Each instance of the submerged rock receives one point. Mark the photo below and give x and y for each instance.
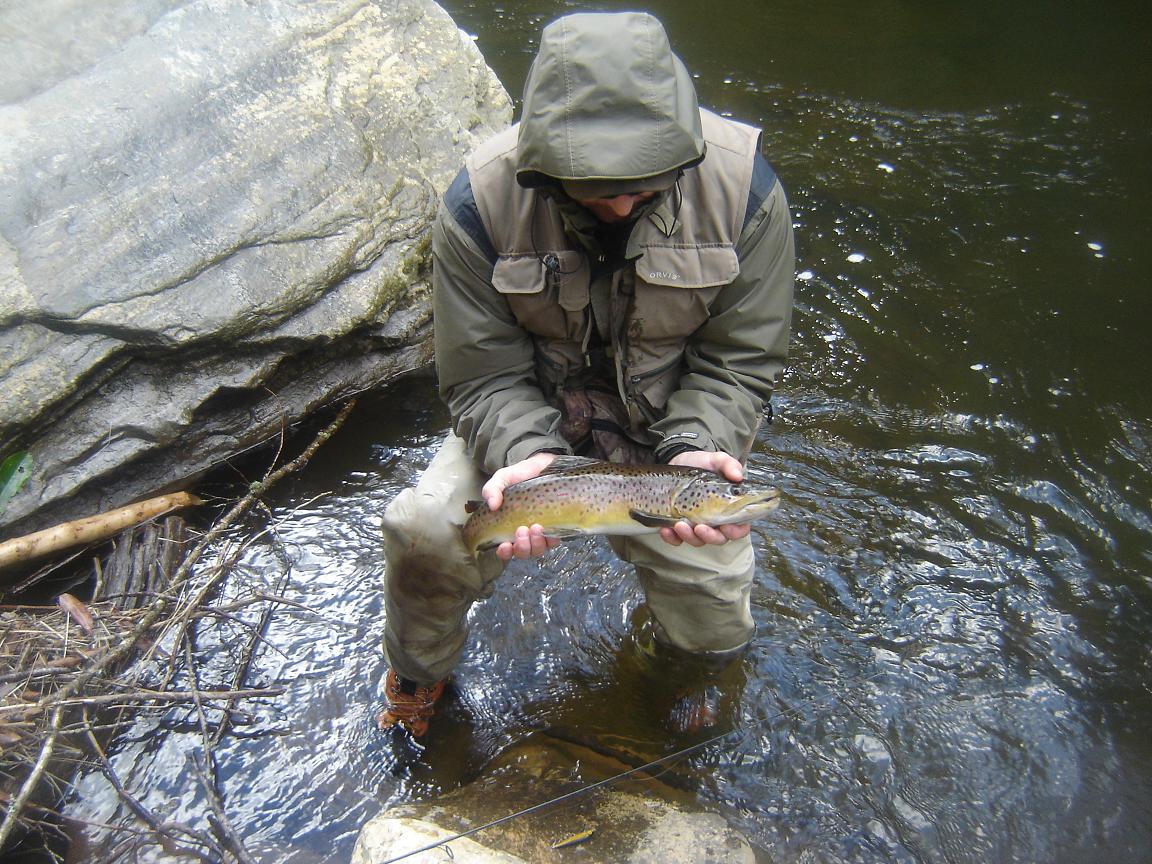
(659, 825)
(213, 220)
(386, 837)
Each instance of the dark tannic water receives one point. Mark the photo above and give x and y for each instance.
(955, 599)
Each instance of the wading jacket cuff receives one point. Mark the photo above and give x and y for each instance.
(667, 454)
(531, 446)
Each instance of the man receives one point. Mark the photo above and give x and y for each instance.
(613, 278)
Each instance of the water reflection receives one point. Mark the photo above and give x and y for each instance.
(953, 604)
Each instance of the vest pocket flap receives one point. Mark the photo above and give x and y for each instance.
(520, 275)
(530, 274)
(699, 267)
(572, 276)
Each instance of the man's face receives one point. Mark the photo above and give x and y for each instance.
(617, 208)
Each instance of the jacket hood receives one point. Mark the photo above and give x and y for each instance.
(606, 99)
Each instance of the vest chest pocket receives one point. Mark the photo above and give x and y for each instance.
(547, 293)
(674, 287)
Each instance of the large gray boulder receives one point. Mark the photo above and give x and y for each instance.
(213, 220)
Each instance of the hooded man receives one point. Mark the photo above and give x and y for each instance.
(612, 278)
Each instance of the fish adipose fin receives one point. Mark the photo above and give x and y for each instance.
(473, 506)
(652, 520)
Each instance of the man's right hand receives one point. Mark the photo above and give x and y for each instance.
(729, 468)
(530, 541)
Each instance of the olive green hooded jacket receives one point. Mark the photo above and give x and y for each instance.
(693, 312)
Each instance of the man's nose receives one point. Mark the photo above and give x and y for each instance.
(622, 205)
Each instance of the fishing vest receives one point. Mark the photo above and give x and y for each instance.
(680, 256)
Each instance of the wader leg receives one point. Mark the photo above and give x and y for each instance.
(699, 597)
(431, 579)
(689, 693)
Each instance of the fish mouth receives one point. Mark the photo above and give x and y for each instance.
(765, 501)
(750, 506)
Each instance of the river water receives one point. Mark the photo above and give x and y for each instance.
(954, 601)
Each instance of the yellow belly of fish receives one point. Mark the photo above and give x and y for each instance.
(565, 520)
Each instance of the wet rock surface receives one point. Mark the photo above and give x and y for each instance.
(213, 221)
(644, 820)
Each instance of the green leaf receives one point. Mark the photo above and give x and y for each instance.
(14, 471)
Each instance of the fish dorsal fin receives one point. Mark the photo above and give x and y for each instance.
(568, 463)
(473, 506)
(652, 520)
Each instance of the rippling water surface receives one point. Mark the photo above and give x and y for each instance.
(954, 601)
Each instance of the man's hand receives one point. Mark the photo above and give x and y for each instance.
(530, 541)
(726, 466)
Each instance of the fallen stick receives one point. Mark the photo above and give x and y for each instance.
(138, 696)
(26, 790)
(174, 696)
(164, 831)
(90, 529)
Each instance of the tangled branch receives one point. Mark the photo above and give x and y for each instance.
(46, 701)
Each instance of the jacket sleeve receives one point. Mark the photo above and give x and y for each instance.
(484, 359)
(732, 362)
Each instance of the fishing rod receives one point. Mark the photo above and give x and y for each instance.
(543, 805)
(616, 778)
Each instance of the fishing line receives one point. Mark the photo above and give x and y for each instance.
(616, 778)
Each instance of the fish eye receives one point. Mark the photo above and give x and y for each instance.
(735, 489)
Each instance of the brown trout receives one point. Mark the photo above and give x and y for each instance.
(577, 496)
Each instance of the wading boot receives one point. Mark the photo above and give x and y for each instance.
(410, 705)
(693, 693)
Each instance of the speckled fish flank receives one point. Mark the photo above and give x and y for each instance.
(577, 496)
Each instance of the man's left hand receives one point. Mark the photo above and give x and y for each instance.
(530, 540)
(726, 466)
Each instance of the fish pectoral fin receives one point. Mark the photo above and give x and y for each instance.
(652, 520)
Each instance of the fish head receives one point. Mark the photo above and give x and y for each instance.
(709, 499)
